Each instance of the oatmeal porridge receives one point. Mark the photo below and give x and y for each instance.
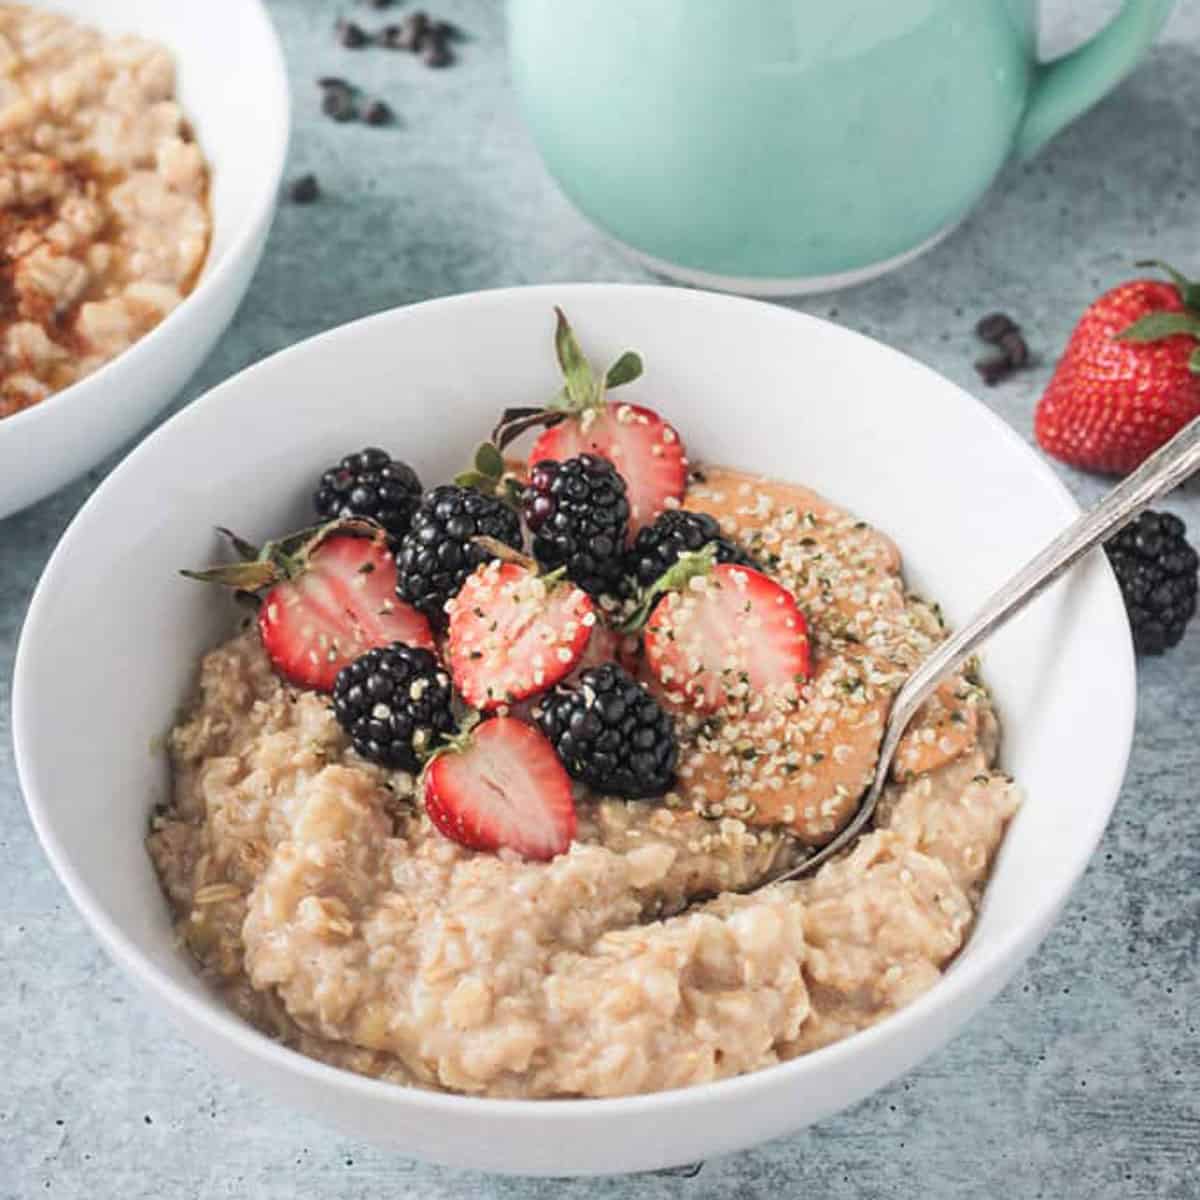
(104, 221)
(321, 901)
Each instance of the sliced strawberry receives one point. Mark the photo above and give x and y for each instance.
(342, 604)
(513, 634)
(503, 788)
(637, 441)
(330, 596)
(583, 420)
(728, 635)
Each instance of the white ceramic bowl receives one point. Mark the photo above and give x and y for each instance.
(102, 667)
(232, 85)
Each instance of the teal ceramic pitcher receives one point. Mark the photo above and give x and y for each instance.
(783, 146)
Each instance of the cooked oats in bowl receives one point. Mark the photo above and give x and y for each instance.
(104, 215)
(374, 935)
(460, 818)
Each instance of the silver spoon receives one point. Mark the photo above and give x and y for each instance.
(1161, 472)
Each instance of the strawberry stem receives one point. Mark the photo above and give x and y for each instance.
(1189, 290)
(515, 421)
(489, 474)
(504, 552)
(282, 558)
(582, 389)
(691, 564)
(454, 743)
(246, 550)
(1155, 326)
(581, 386)
(626, 369)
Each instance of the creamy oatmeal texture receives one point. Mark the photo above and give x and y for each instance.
(104, 219)
(320, 901)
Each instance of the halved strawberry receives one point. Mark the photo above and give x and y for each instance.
(514, 633)
(330, 596)
(728, 634)
(502, 786)
(636, 440)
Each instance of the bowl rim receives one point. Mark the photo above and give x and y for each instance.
(274, 77)
(222, 1025)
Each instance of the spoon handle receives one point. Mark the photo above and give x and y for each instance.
(1161, 472)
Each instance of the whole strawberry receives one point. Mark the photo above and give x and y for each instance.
(1129, 379)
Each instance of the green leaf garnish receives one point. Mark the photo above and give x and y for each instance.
(1194, 361)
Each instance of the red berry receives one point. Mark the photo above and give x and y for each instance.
(505, 788)
(512, 635)
(1112, 402)
(340, 605)
(727, 637)
(637, 441)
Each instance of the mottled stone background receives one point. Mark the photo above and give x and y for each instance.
(1080, 1080)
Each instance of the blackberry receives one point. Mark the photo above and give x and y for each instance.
(370, 484)
(578, 513)
(611, 733)
(1156, 568)
(437, 554)
(658, 545)
(394, 702)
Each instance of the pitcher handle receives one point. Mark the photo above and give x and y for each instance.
(1068, 86)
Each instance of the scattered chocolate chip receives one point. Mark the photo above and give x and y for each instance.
(1015, 349)
(304, 189)
(993, 370)
(351, 35)
(445, 31)
(378, 3)
(333, 81)
(389, 37)
(377, 113)
(994, 326)
(412, 31)
(436, 53)
(338, 103)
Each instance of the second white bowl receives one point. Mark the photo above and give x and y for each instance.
(232, 86)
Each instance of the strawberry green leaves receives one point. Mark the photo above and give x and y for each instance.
(1156, 326)
(489, 474)
(626, 369)
(581, 389)
(1189, 290)
(691, 564)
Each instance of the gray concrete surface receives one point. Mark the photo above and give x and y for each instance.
(1081, 1080)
